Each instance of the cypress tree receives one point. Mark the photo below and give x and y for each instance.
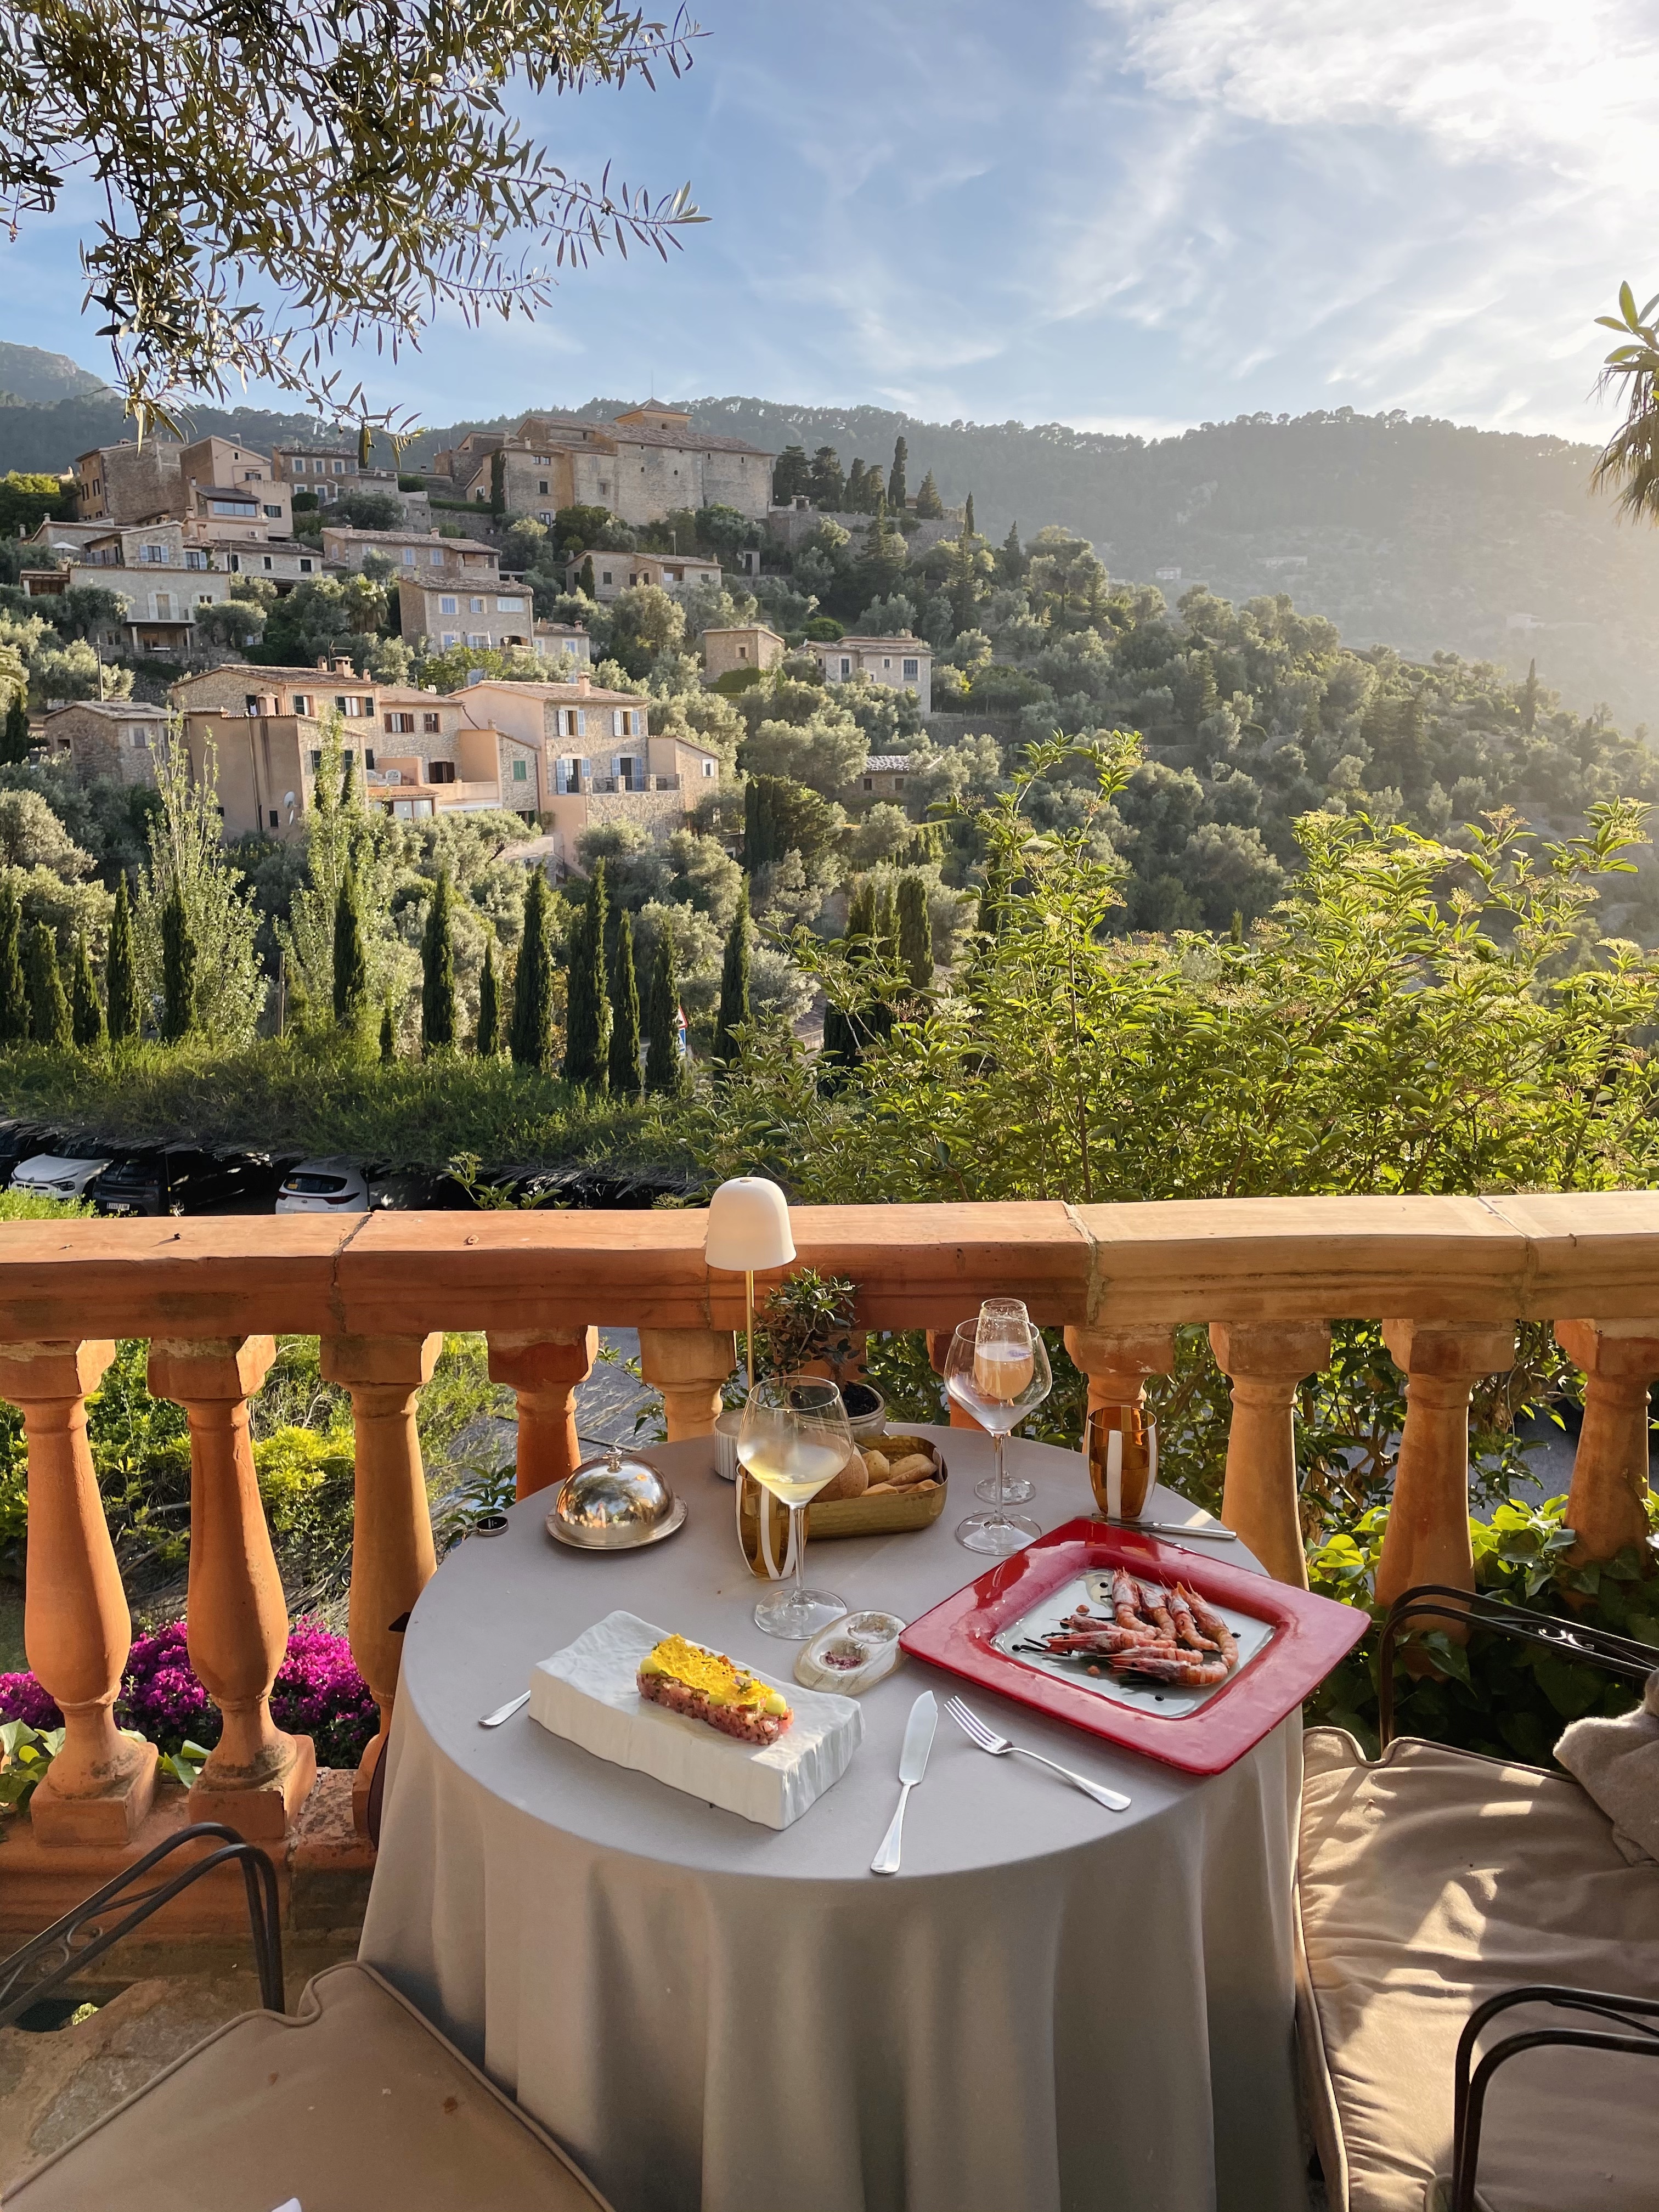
(13, 992)
(897, 495)
(968, 529)
(178, 970)
(665, 1071)
(49, 1013)
(15, 740)
(734, 983)
(1013, 558)
(388, 1033)
(351, 961)
(488, 1042)
(929, 506)
(625, 1014)
(438, 971)
(586, 580)
(1528, 702)
(854, 493)
(915, 931)
(531, 1040)
(498, 482)
(587, 1005)
(85, 1011)
(124, 1019)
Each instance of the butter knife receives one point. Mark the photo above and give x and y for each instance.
(913, 1765)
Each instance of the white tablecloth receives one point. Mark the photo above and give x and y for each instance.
(1052, 2008)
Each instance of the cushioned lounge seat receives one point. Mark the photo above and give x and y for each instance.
(354, 2105)
(1430, 1880)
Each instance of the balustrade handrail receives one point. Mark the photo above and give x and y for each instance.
(1536, 1256)
(1448, 1278)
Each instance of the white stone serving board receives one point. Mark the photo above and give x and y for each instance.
(588, 1695)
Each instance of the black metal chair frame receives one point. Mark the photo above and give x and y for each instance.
(1632, 1662)
(70, 1944)
(1569, 1639)
(1629, 2013)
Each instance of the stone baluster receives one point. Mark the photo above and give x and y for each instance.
(1117, 1361)
(76, 1628)
(1265, 1361)
(543, 1369)
(392, 1558)
(1428, 1532)
(1606, 1505)
(690, 1367)
(256, 1779)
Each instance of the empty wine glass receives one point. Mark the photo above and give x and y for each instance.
(998, 1369)
(794, 1439)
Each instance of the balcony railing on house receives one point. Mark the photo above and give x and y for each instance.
(1449, 1278)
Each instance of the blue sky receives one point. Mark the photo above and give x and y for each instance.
(1111, 213)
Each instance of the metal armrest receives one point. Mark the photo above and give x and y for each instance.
(1568, 1639)
(1630, 2014)
(83, 1934)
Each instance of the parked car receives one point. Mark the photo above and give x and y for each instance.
(325, 1186)
(22, 1141)
(49, 1175)
(183, 1179)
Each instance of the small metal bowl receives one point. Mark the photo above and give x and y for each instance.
(614, 1504)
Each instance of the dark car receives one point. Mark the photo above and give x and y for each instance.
(183, 1179)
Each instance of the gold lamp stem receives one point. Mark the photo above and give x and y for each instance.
(749, 1330)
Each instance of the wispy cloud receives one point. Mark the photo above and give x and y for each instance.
(1108, 212)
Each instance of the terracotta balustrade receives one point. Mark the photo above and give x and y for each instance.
(1450, 1277)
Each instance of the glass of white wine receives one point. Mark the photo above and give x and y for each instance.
(997, 1369)
(794, 1439)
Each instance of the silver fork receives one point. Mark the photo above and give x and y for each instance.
(987, 1739)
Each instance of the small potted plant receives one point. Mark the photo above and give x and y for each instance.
(808, 1322)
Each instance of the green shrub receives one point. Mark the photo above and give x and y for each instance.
(1503, 1698)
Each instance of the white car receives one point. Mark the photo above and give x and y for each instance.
(329, 1186)
(46, 1175)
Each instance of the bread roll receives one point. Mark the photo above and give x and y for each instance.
(912, 1469)
(849, 1483)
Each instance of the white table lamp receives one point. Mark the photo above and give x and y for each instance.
(748, 1229)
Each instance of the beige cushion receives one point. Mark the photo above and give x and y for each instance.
(356, 2104)
(1429, 1881)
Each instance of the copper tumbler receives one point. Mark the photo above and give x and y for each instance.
(1121, 1445)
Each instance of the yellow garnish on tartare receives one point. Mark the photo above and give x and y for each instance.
(707, 1685)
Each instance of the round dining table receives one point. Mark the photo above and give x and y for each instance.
(1053, 2007)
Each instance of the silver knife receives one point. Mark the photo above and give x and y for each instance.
(504, 1712)
(913, 1765)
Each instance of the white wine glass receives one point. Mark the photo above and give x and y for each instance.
(998, 1369)
(794, 1439)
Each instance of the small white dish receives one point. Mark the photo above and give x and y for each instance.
(851, 1654)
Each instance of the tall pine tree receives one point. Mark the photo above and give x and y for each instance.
(929, 506)
(897, 493)
(624, 1014)
(15, 738)
(125, 1018)
(664, 1069)
(178, 970)
(734, 984)
(488, 1042)
(915, 931)
(438, 971)
(49, 1013)
(350, 960)
(86, 1009)
(14, 989)
(1013, 557)
(531, 1040)
(587, 1003)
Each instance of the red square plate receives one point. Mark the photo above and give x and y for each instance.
(1297, 1638)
